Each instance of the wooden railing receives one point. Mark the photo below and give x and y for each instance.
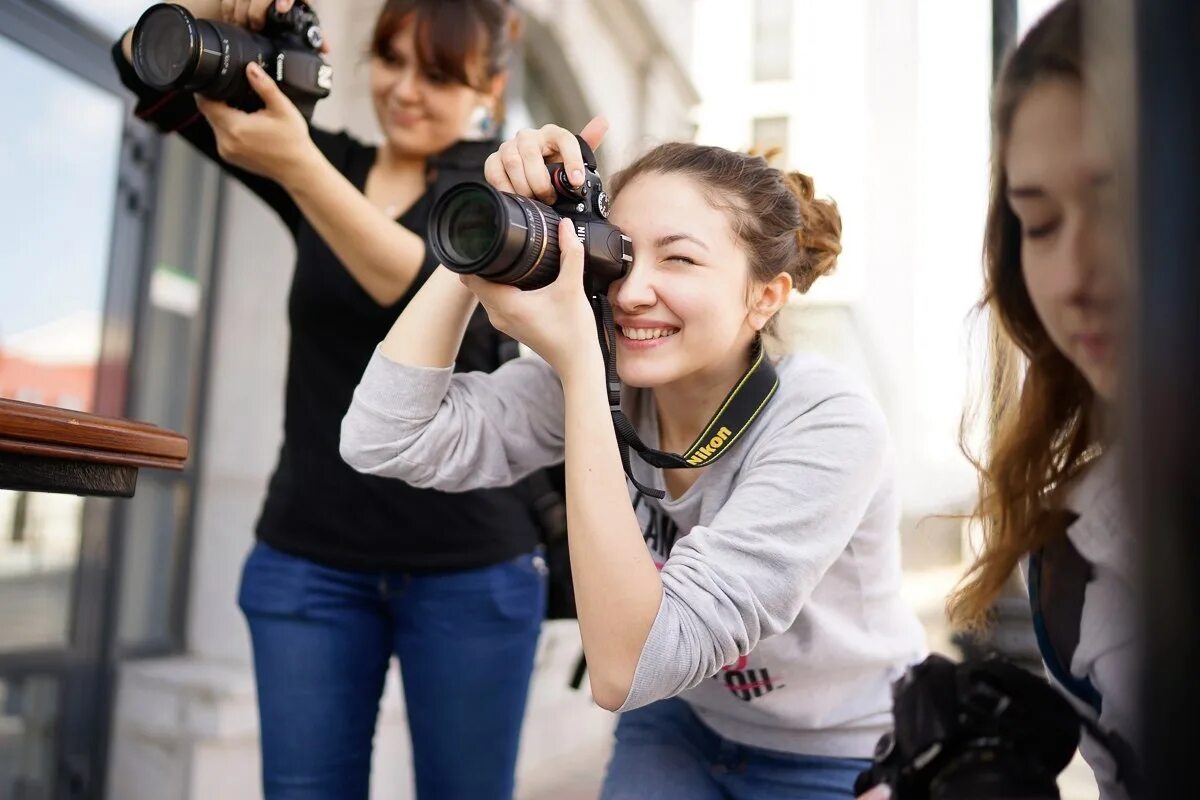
(46, 449)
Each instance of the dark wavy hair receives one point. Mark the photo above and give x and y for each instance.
(467, 41)
(1042, 406)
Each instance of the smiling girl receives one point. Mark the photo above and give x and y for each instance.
(748, 624)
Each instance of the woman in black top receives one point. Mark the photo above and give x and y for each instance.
(349, 569)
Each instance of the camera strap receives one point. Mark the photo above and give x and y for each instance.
(748, 397)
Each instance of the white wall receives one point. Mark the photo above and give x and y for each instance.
(888, 112)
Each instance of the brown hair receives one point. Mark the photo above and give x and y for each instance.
(1042, 407)
(468, 41)
(775, 214)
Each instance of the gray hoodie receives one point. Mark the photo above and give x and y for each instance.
(781, 622)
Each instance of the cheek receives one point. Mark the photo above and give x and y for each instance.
(1033, 273)
(450, 106)
(379, 79)
(709, 309)
(1038, 277)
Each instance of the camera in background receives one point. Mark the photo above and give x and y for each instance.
(174, 50)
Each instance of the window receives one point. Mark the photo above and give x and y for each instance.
(169, 360)
(56, 217)
(770, 138)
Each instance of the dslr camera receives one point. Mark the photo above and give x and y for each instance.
(476, 230)
(174, 50)
(985, 730)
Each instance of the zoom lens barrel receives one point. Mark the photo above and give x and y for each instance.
(174, 50)
(476, 230)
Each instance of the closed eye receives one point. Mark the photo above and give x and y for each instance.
(1040, 231)
(683, 259)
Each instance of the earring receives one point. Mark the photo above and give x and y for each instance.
(481, 125)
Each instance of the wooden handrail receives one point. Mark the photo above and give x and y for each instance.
(35, 429)
(43, 448)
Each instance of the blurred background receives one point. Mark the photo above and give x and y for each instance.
(135, 282)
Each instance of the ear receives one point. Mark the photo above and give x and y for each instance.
(768, 298)
(497, 86)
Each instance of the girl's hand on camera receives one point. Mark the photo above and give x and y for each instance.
(252, 14)
(273, 142)
(555, 321)
(519, 166)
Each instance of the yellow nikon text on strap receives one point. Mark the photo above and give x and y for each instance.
(704, 452)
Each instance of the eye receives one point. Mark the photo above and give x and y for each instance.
(1040, 231)
(437, 77)
(681, 259)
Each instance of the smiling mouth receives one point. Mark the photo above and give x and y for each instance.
(646, 334)
(406, 117)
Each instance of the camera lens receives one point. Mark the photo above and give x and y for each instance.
(174, 50)
(166, 46)
(472, 225)
(476, 230)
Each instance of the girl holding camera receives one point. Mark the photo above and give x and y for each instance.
(748, 624)
(1055, 285)
(350, 569)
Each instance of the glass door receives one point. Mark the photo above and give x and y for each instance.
(72, 223)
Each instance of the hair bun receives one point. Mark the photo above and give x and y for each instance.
(820, 231)
(801, 185)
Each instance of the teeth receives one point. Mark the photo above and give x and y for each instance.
(641, 334)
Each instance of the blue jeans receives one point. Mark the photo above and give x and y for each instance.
(322, 641)
(664, 752)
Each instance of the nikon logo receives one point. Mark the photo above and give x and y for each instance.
(705, 452)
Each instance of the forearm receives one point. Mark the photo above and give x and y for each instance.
(430, 331)
(383, 257)
(617, 587)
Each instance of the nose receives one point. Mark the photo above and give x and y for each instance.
(635, 291)
(406, 85)
(1086, 254)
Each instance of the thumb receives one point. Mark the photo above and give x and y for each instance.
(593, 132)
(266, 88)
(571, 260)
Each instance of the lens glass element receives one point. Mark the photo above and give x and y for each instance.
(472, 224)
(166, 46)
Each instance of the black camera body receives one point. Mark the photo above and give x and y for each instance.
(174, 50)
(476, 230)
(984, 730)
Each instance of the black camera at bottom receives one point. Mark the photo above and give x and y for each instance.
(983, 730)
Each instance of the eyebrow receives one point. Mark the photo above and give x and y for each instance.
(671, 238)
(1037, 192)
